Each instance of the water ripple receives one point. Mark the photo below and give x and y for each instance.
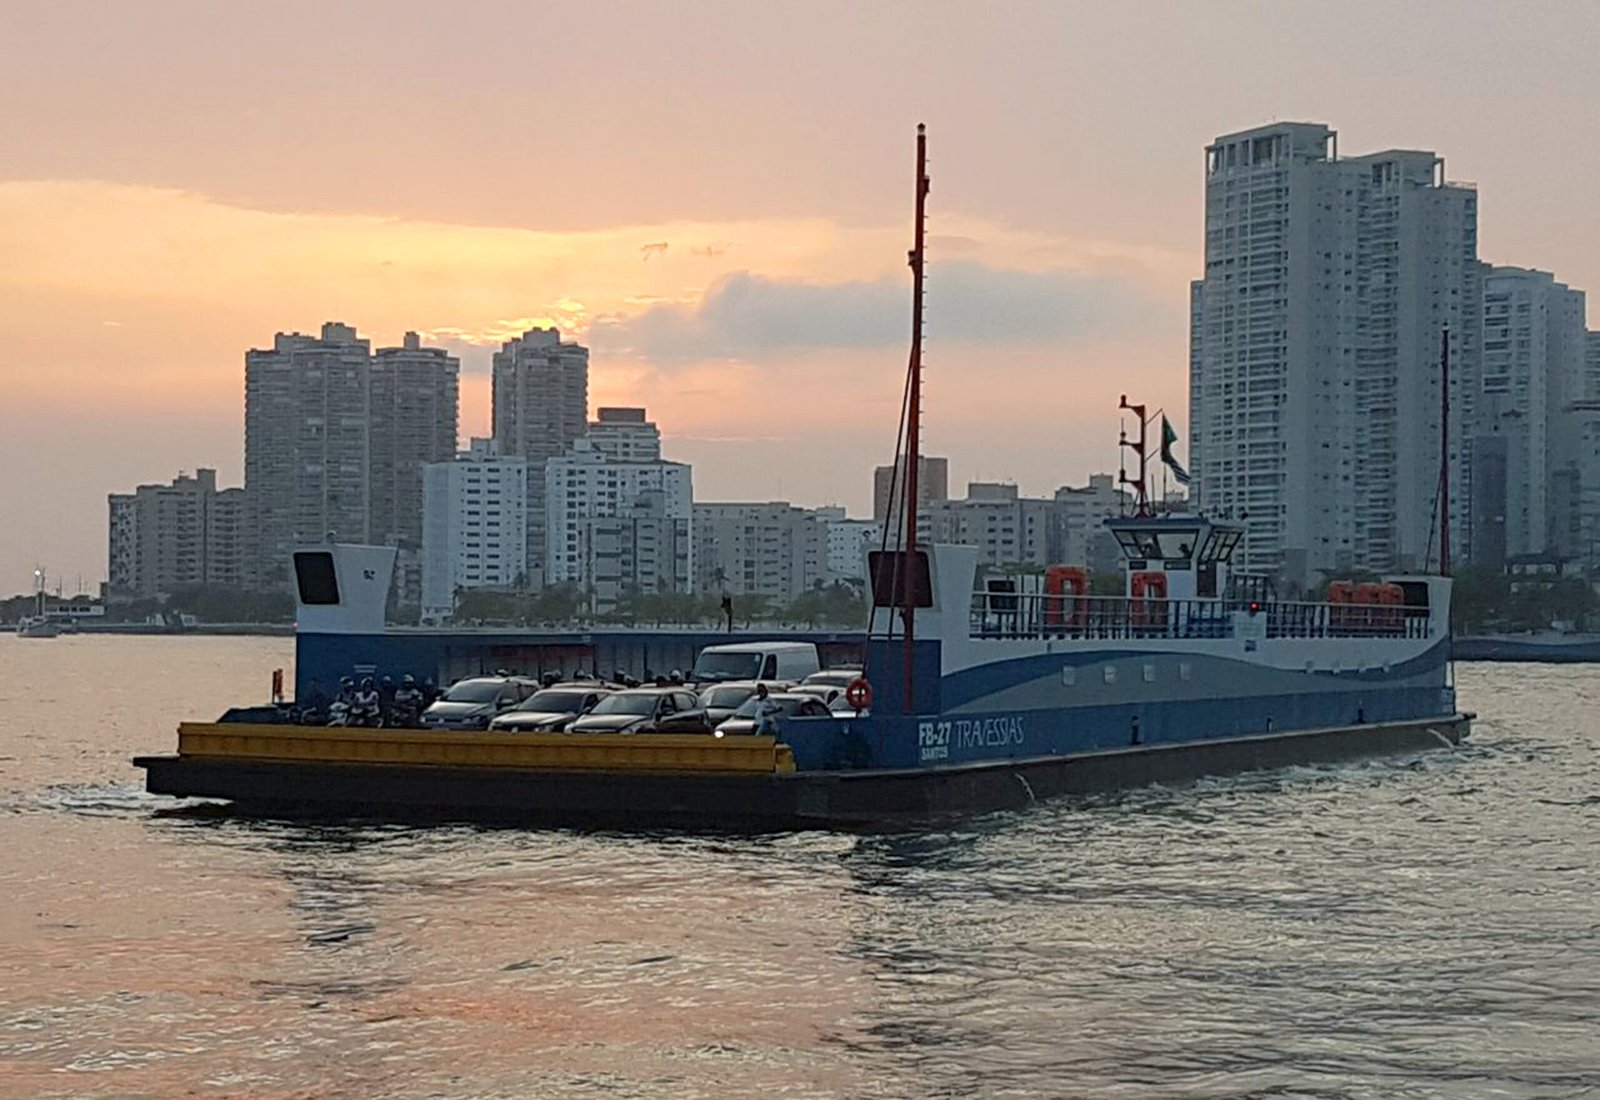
(1419, 927)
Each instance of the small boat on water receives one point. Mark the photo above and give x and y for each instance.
(975, 692)
(39, 624)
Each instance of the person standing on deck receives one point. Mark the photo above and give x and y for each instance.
(767, 712)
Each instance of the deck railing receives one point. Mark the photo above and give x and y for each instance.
(1006, 615)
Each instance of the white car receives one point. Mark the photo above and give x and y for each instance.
(719, 701)
(790, 705)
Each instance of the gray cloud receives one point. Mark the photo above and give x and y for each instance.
(745, 314)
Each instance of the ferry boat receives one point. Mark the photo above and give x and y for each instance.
(39, 624)
(976, 692)
(1006, 695)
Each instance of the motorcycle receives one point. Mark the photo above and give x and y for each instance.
(406, 710)
(367, 711)
(356, 713)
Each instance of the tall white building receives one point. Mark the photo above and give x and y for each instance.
(306, 458)
(849, 540)
(1531, 414)
(413, 404)
(122, 544)
(625, 435)
(1574, 499)
(616, 523)
(1084, 511)
(888, 482)
(1007, 528)
(335, 442)
(1315, 382)
(183, 534)
(1418, 275)
(474, 526)
(770, 549)
(540, 408)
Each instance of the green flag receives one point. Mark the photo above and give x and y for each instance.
(1168, 438)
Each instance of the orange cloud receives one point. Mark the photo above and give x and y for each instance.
(122, 306)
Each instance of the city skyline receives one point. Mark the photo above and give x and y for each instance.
(147, 256)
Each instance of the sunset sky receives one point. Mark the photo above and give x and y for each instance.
(714, 196)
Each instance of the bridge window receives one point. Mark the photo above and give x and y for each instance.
(315, 578)
(900, 578)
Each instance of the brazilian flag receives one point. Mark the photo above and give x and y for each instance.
(1168, 438)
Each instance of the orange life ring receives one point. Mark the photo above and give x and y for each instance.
(858, 694)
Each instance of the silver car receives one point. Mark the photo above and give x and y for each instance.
(719, 701)
(790, 705)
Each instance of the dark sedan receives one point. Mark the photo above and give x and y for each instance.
(470, 704)
(551, 709)
(636, 710)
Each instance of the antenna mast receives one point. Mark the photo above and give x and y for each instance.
(1141, 484)
(914, 416)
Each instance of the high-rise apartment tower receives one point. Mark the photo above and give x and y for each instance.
(540, 407)
(305, 445)
(414, 405)
(1315, 400)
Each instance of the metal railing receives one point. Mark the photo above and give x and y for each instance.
(1006, 615)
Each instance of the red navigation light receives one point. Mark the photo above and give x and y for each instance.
(1255, 605)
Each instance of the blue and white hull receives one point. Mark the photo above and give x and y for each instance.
(1175, 673)
(1011, 700)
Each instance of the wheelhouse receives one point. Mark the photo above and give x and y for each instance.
(1176, 556)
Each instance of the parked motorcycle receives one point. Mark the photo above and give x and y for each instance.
(358, 713)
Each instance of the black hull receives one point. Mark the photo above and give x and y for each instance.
(1529, 650)
(743, 802)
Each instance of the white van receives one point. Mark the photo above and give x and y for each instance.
(792, 661)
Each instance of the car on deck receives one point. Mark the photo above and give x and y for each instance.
(719, 701)
(638, 710)
(552, 708)
(471, 704)
(840, 678)
(790, 705)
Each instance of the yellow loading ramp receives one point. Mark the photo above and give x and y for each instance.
(619, 752)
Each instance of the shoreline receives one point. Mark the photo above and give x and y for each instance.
(274, 630)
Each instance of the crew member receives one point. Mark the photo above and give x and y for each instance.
(311, 708)
(767, 711)
(408, 702)
(369, 704)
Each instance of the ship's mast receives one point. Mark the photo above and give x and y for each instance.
(914, 416)
(1444, 452)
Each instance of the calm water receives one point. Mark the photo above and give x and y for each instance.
(1427, 927)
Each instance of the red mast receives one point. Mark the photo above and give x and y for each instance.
(914, 414)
